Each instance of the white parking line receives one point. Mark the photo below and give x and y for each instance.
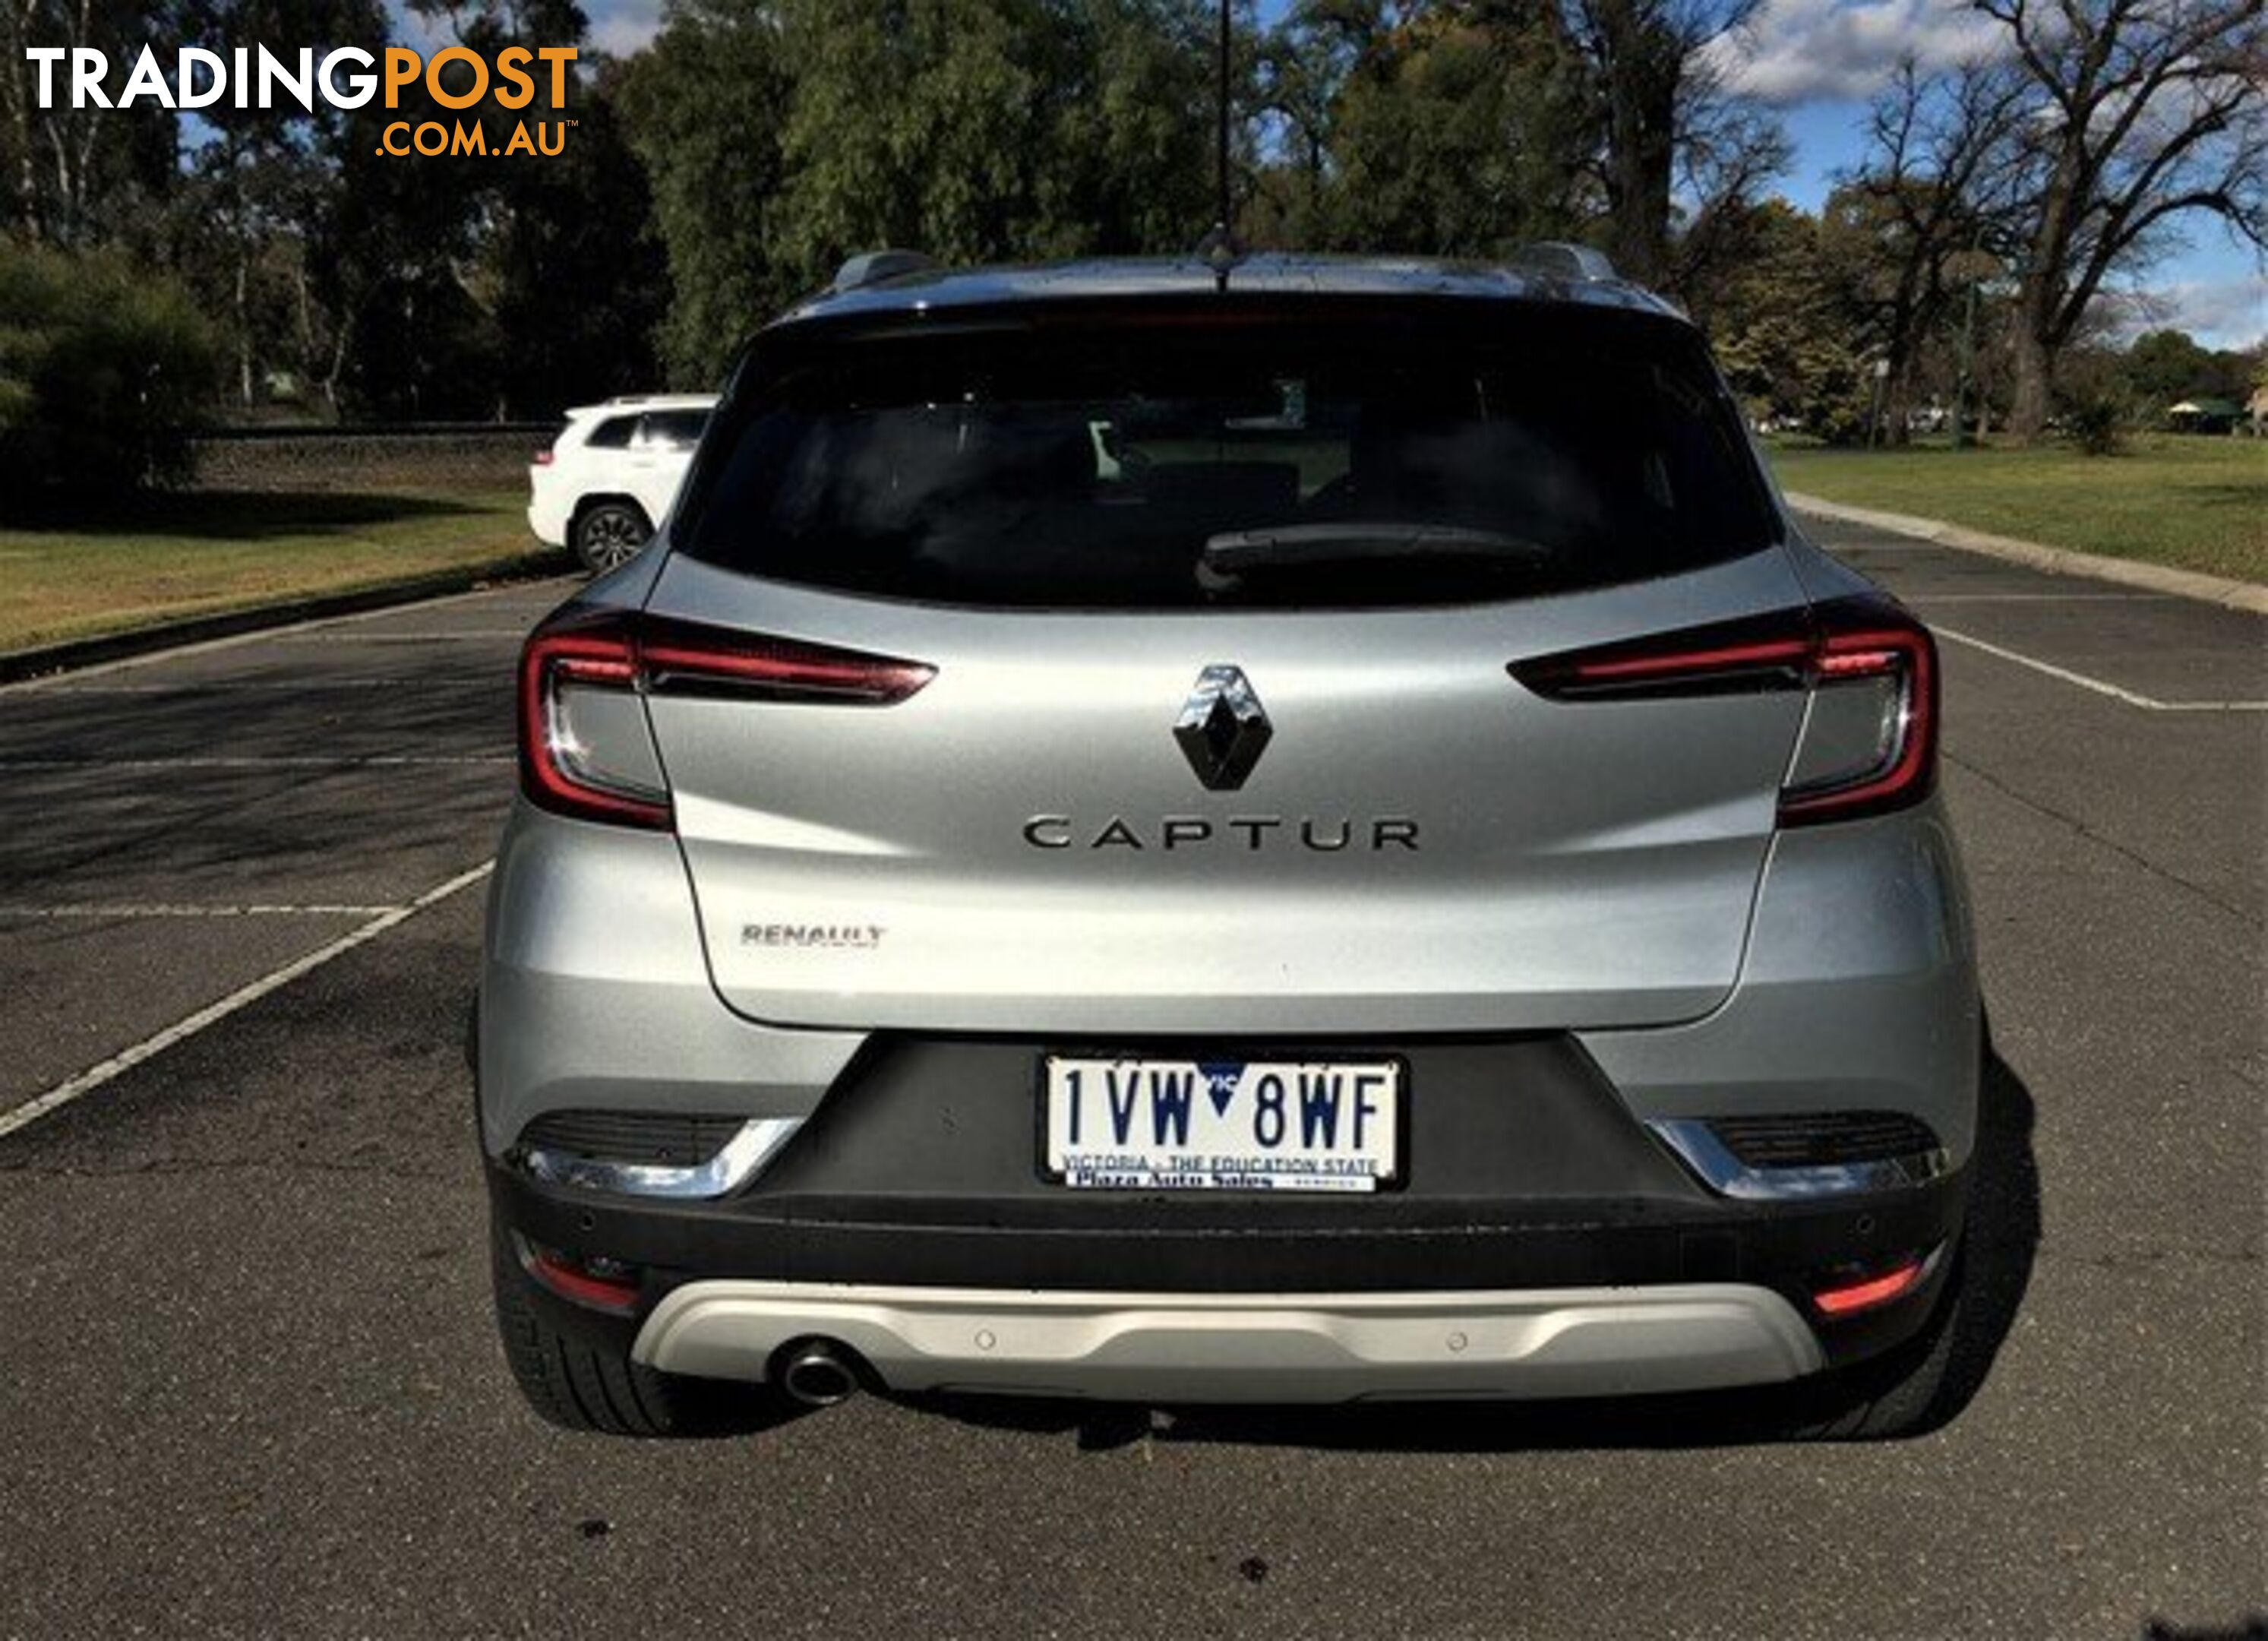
(2117, 692)
(372, 760)
(97, 910)
(94, 1077)
(2038, 598)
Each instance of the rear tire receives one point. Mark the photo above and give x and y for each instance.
(1901, 1393)
(608, 534)
(580, 1386)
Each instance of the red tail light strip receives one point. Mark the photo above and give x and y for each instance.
(622, 650)
(681, 657)
(1768, 653)
(1839, 641)
(1765, 655)
(1865, 1295)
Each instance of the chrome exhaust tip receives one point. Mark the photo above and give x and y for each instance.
(816, 1372)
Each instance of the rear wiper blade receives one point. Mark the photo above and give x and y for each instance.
(1356, 540)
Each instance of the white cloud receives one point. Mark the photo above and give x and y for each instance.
(1794, 51)
(2219, 313)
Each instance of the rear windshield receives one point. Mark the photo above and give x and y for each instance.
(1172, 462)
(678, 430)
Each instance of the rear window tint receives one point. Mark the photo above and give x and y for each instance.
(1105, 464)
(614, 434)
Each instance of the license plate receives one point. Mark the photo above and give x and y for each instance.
(1223, 1125)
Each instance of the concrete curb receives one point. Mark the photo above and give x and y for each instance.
(198, 630)
(2212, 589)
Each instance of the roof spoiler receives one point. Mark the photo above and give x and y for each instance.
(1557, 259)
(874, 267)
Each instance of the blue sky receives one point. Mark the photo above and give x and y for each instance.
(1816, 62)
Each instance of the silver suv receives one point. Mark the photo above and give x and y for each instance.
(1305, 833)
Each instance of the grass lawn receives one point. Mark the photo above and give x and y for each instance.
(2196, 503)
(203, 552)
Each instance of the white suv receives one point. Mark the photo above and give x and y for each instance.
(612, 474)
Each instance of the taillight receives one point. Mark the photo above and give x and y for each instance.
(584, 747)
(1869, 739)
(544, 457)
(1726, 658)
(682, 658)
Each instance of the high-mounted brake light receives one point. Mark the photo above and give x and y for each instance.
(1870, 666)
(613, 656)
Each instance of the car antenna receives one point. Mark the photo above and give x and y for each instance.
(1219, 249)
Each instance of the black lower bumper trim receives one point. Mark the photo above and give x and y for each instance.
(1524, 1170)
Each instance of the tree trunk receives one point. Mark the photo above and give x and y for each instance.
(19, 113)
(2035, 370)
(1637, 234)
(1640, 68)
(243, 325)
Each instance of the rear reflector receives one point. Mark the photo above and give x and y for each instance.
(595, 1284)
(1838, 650)
(1894, 1283)
(625, 654)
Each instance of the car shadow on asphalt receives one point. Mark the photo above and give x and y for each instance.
(2003, 1236)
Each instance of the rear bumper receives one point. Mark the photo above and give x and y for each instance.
(547, 510)
(1112, 1295)
(1273, 1347)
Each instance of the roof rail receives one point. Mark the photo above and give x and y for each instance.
(1558, 259)
(875, 266)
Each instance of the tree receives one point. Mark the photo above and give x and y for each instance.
(1925, 213)
(259, 177)
(1781, 331)
(103, 368)
(2142, 113)
(1011, 129)
(1300, 68)
(2162, 367)
(1451, 131)
(1463, 127)
(1133, 165)
(75, 176)
(704, 104)
(1661, 107)
(510, 286)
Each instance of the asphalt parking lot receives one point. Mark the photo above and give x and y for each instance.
(248, 1383)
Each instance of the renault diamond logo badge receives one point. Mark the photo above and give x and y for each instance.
(1223, 729)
